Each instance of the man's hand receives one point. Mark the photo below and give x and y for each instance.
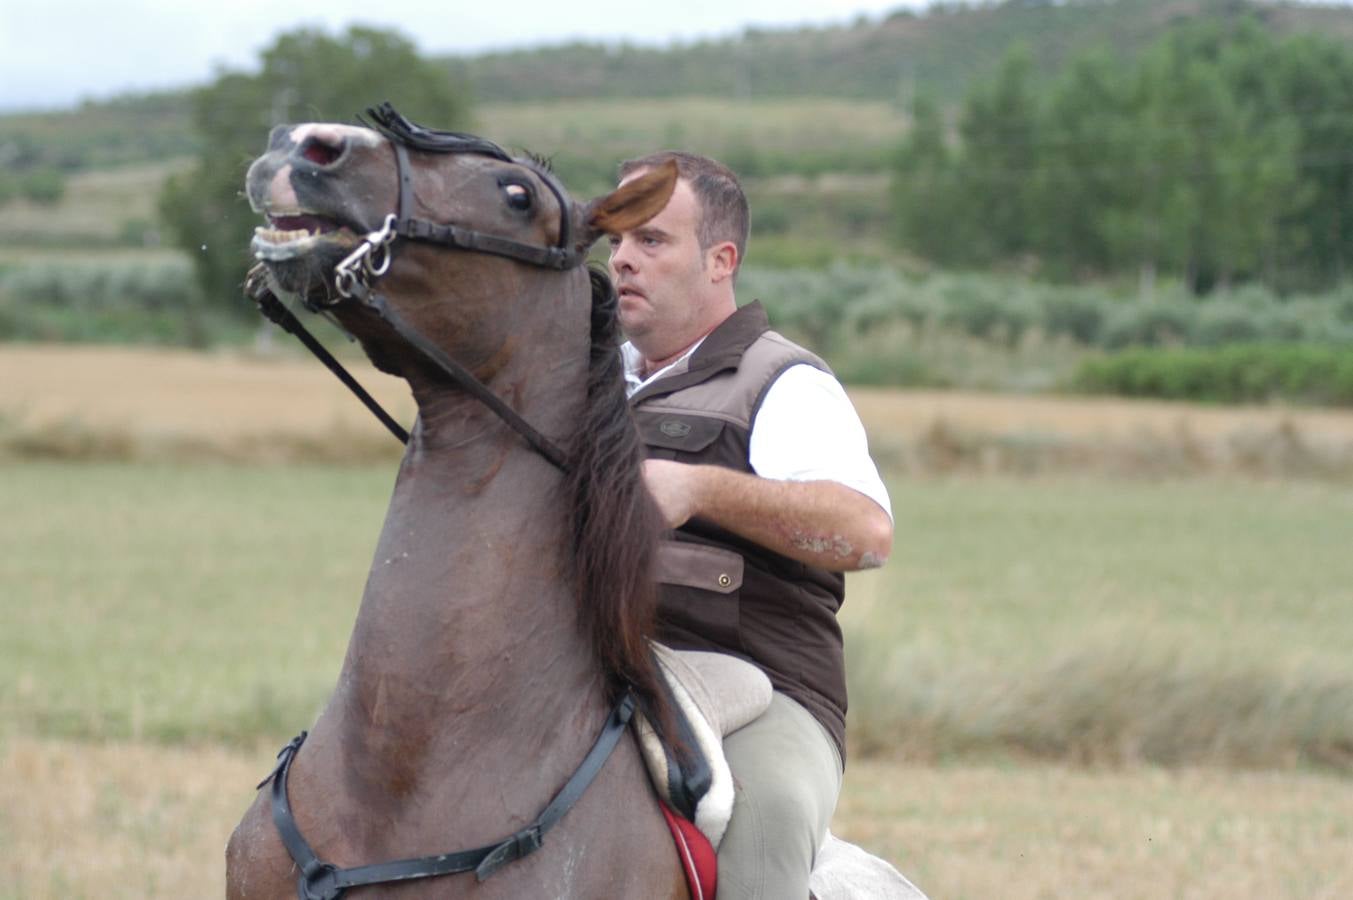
(673, 485)
(821, 523)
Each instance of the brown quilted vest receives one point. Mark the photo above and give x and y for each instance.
(718, 591)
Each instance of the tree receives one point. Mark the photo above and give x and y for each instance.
(1088, 122)
(923, 189)
(1307, 81)
(1000, 127)
(306, 75)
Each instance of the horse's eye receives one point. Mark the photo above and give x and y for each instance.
(518, 197)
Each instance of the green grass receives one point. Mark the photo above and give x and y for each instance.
(1173, 622)
(178, 604)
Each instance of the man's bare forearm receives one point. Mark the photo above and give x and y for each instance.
(821, 523)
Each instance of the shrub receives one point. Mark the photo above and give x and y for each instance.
(132, 302)
(1242, 373)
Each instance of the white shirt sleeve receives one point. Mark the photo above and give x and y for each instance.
(808, 430)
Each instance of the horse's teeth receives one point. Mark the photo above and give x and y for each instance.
(278, 236)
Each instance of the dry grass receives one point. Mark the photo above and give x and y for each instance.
(928, 432)
(130, 820)
(118, 820)
(634, 127)
(1031, 833)
(117, 403)
(178, 395)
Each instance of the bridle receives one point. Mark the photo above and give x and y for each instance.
(372, 258)
(354, 277)
(356, 273)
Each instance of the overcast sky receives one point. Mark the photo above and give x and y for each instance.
(55, 53)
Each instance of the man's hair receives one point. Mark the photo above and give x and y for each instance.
(724, 214)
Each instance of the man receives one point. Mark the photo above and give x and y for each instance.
(760, 465)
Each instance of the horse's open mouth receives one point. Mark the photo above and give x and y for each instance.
(288, 237)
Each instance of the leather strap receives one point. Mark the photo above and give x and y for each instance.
(479, 242)
(561, 256)
(463, 378)
(324, 881)
(273, 308)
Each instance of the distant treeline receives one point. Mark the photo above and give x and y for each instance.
(1224, 153)
(940, 50)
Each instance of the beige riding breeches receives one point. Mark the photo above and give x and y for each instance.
(787, 776)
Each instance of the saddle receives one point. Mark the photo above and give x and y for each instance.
(712, 695)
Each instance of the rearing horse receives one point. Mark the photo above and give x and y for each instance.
(508, 602)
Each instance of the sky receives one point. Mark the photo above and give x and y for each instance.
(56, 53)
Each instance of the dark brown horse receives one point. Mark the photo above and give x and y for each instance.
(508, 600)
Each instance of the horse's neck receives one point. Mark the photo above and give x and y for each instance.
(468, 626)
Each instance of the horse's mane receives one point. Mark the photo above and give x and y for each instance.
(615, 521)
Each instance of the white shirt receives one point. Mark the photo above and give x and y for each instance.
(806, 430)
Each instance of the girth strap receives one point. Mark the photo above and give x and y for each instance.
(320, 880)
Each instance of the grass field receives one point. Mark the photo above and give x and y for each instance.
(1034, 652)
(97, 206)
(166, 627)
(617, 129)
(136, 820)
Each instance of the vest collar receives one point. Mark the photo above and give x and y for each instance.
(722, 349)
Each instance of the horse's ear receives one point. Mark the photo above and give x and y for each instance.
(630, 205)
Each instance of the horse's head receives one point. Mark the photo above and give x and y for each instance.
(476, 236)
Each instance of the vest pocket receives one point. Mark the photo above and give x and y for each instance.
(682, 432)
(698, 590)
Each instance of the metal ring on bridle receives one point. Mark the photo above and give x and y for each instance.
(371, 259)
(380, 242)
(346, 277)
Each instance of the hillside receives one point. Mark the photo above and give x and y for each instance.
(938, 52)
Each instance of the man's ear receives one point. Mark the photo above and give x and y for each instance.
(723, 259)
(630, 205)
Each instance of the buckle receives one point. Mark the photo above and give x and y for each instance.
(319, 882)
(528, 840)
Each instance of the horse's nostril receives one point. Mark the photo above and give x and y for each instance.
(321, 152)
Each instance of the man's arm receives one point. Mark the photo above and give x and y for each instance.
(821, 523)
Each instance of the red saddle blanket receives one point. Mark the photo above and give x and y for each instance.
(697, 855)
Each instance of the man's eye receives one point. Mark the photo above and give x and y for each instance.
(613, 240)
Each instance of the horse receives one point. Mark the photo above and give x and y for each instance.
(505, 617)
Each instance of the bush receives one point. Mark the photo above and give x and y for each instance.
(44, 187)
(123, 302)
(1150, 325)
(1242, 373)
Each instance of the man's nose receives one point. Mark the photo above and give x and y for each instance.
(621, 260)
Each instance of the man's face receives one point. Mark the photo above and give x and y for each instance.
(661, 276)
